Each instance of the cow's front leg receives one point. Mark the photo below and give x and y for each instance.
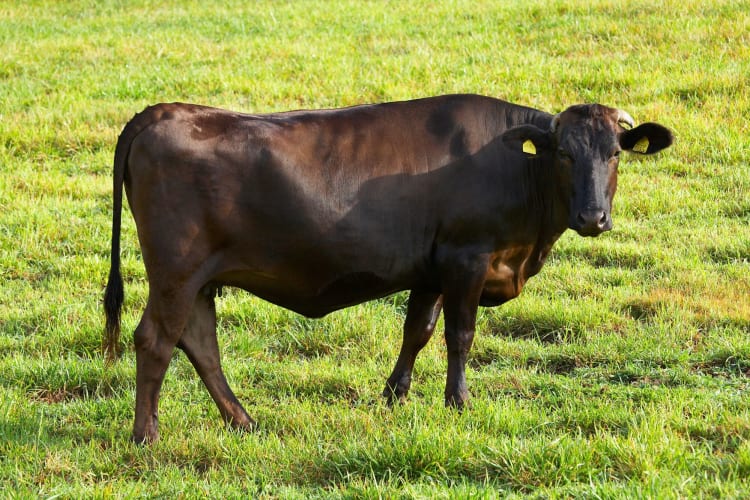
(421, 316)
(462, 281)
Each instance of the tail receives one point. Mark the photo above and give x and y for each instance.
(114, 294)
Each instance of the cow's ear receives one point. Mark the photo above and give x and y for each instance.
(528, 139)
(646, 139)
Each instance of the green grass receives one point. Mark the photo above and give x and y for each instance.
(621, 371)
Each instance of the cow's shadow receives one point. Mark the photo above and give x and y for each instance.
(475, 199)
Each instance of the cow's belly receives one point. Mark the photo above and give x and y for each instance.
(312, 298)
(316, 264)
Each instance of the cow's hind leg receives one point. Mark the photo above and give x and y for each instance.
(421, 316)
(154, 343)
(200, 344)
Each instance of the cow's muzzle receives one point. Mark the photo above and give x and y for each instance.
(592, 222)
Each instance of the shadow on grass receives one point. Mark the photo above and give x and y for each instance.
(554, 364)
(42, 334)
(44, 427)
(547, 328)
(725, 364)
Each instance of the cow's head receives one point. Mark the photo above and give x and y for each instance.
(584, 143)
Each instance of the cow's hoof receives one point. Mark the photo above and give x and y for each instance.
(243, 426)
(458, 403)
(394, 395)
(145, 438)
(146, 433)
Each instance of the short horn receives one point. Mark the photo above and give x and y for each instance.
(555, 123)
(625, 120)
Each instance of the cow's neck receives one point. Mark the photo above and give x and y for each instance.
(551, 206)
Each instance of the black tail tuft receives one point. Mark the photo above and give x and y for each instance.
(113, 299)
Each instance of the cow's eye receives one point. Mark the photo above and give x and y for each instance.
(564, 155)
(616, 154)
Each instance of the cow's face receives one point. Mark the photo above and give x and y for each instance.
(584, 143)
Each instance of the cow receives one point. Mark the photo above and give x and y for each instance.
(456, 198)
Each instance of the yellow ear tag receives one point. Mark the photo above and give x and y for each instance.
(528, 147)
(641, 146)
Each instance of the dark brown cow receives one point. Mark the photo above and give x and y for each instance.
(456, 198)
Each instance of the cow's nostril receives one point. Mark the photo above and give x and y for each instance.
(603, 220)
(592, 221)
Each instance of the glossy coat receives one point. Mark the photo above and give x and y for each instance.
(320, 210)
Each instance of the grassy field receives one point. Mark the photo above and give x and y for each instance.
(621, 371)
